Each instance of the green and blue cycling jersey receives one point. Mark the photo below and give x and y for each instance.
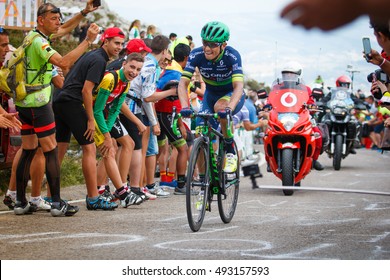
(218, 76)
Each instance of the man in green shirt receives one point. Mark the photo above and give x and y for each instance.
(36, 113)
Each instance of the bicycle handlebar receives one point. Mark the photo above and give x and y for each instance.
(204, 116)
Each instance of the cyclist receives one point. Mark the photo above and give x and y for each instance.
(221, 70)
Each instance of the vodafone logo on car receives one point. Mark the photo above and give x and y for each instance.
(288, 99)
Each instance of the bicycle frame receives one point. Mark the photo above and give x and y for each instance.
(205, 160)
(207, 132)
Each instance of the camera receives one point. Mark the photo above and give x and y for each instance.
(262, 93)
(378, 75)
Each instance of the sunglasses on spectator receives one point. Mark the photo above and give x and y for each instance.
(54, 11)
(168, 61)
(211, 45)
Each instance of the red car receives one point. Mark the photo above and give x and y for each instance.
(10, 139)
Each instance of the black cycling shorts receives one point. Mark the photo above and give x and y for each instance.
(71, 118)
(39, 120)
(132, 130)
(118, 130)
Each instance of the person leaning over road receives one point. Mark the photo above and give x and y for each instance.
(37, 168)
(36, 113)
(331, 14)
(221, 70)
(125, 148)
(141, 87)
(107, 105)
(73, 107)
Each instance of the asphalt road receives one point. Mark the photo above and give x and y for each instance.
(313, 224)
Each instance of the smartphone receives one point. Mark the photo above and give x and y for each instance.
(96, 3)
(367, 47)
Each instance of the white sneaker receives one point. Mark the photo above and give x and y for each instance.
(150, 196)
(230, 165)
(157, 190)
(161, 193)
(42, 205)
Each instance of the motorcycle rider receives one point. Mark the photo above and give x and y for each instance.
(293, 71)
(345, 82)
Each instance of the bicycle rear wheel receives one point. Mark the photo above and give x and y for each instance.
(227, 199)
(197, 184)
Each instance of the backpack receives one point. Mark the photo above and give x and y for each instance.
(14, 74)
(113, 72)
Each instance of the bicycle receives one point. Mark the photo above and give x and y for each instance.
(205, 176)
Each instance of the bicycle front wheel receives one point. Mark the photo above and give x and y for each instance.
(197, 184)
(228, 195)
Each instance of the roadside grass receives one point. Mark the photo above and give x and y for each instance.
(71, 173)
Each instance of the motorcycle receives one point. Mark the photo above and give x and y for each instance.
(289, 140)
(342, 125)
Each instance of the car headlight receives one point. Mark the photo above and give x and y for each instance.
(288, 120)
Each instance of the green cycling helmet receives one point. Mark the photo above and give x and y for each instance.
(215, 31)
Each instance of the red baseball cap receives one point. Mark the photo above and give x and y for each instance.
(137, 45)
(111, 33)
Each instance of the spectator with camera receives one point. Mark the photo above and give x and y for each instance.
(380, 78)
(382, 34)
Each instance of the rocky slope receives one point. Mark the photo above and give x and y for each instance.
(103, 16)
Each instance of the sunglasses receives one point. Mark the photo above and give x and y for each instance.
(211, 45)
(168, 61)
(54, 11)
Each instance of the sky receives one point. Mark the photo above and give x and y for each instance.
(264, 41)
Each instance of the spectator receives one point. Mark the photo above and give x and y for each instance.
(73, 108)
(142, 34)
(190, 41)
(134, 30)
(172, 37)
(6, 120)
(164, 109)
(142, 87)
(382, 34)
(36, 113)
(110, 96)
(37, 168)
(150, 31)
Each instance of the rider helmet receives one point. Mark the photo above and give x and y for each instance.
(215, 31)
(343, 81)
(291, 71)
(292, 67)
